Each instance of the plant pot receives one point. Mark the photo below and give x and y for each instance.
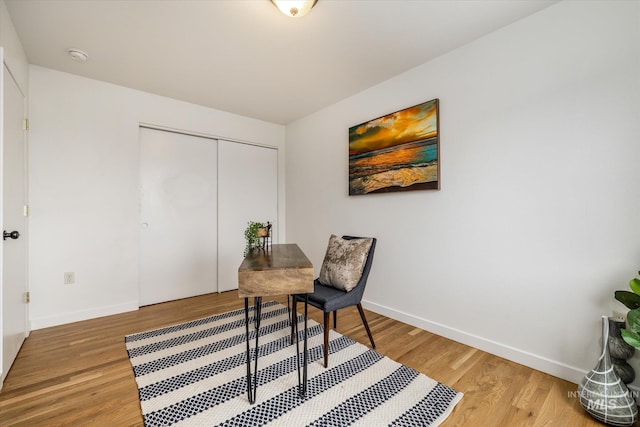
(263, 232)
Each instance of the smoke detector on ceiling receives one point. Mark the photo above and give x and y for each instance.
(77, 55)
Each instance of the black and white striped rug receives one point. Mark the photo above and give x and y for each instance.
(194, 374)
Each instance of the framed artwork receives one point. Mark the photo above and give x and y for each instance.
(396, 152)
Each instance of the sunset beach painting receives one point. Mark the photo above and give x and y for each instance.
(396, 152)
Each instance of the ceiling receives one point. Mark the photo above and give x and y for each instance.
(244, 56)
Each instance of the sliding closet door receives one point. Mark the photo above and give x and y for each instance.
(247, 191)
(178, 212)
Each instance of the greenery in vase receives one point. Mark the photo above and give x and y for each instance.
(251, 236)
(632, 301)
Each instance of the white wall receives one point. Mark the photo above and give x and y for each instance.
(536, 224)
(84, 187)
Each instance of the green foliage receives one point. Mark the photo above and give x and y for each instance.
(629, 299)
(632, 301)
(633, 319)
(630, 338)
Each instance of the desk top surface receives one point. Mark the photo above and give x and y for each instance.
(280, 256)
(282, 270)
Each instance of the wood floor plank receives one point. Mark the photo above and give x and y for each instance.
(79, 374)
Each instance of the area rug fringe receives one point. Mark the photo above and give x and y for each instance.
(194, 374)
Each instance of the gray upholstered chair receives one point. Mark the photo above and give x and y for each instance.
(329, 299)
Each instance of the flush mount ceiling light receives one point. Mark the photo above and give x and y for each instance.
(294, 8)
(77, 55)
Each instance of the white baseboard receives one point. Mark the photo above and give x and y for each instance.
(77, 316)
(534, 361)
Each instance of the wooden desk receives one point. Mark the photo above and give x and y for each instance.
(282, 269)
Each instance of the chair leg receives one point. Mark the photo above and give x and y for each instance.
(326, 339)
(294, 317)
(366, 325)
(335, 319)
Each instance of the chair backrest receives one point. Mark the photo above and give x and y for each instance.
(359, 289)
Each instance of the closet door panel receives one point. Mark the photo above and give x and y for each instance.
(178, 214)
(247, 191)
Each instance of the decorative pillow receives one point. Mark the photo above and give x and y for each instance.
(344, 261)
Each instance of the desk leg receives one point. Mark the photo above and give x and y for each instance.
(257, 310)
(302, 382)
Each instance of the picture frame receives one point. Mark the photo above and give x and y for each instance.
(399, 151)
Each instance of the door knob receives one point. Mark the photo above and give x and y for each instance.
(14, 235)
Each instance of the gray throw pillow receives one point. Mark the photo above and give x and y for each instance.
(344, 261)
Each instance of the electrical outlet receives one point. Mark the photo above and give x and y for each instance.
(69, 278)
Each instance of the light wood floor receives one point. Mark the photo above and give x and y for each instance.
(79, 374)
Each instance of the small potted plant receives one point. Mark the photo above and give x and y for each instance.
(253, 233)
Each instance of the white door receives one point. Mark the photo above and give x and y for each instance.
(247, 191)
(14, 250)
(178, 200)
